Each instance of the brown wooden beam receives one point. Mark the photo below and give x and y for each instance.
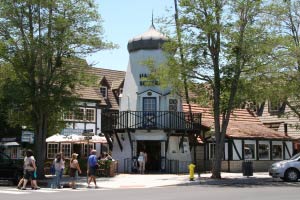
(118, 140)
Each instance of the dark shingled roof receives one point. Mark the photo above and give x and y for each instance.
(113, 77)
(151, 39)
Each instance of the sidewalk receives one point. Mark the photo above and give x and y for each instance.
(161, 180)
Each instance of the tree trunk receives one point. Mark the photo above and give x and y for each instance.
(40, 144)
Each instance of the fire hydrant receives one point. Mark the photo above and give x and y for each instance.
(192, 171)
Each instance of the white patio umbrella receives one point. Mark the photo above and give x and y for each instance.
(98, 139)
(57, 138)
(74, 138)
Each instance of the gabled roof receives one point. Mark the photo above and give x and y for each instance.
(148, 90)
(117, 84)
(90, 93)
(112, 77)
(242, 124)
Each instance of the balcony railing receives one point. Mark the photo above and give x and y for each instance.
(113, 120)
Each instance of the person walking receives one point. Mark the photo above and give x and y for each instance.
(30, 170)
(59, 165)
(92, 167)
(142, 159)
(74, 170)
(21, 181)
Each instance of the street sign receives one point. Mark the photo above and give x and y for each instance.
(27, 136)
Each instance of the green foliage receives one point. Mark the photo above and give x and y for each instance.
(41, 42)
(224, 46)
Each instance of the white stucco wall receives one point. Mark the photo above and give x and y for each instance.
(226, 151)
(119, 155)
(289, 145)
(98, 114)
(238, 144)
(176, 153)
(137, 66)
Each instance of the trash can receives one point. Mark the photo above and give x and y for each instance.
(247, 168)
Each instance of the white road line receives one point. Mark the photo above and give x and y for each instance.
(13, 192)
(43, 190)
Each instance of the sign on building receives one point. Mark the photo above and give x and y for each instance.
(27, 136)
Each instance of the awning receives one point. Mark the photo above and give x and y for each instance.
(75, 139)
(11, 144)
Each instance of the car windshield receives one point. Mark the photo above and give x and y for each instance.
(296, 156)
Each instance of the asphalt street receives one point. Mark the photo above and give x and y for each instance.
(190, 192)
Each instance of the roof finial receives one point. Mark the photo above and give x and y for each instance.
(152, 23)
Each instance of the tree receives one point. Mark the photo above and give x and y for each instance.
(41, 41)
(222, 41)
(285, 23)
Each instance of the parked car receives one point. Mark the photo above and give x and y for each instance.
(288, 170)
(9, 169)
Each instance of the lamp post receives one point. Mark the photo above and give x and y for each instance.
(88, 134)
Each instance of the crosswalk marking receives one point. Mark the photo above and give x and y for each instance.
(7, 190)
(13, 192)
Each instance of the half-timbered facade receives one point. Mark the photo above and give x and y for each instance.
(280, 117)
(104, 95)
(246, 139)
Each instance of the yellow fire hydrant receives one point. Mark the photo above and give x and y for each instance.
(192, 171)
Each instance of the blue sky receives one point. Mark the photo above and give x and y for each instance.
(124, 19)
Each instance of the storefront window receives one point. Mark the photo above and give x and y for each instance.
(52, 150)
(66, 150)
(249, 151)
(264, 151)
(277, 151)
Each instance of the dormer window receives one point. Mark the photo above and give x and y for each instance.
(274, 107)
(173, 105)
(103, 91)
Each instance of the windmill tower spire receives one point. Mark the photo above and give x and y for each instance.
(152, 21)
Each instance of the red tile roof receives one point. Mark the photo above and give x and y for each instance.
(242, 124)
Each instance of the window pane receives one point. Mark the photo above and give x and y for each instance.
(277, 152)
(80, 114)
(68, 115)
(66, 150)
(103, 91)
(263, 151)
(52, 150)
(172, 104)
(149, 104)
(249, 151)
(90, 115)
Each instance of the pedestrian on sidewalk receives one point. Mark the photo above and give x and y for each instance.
(20, 184)
(74, 170)
(30, 170)
(92, 168)
(142, 159)
(59, 165)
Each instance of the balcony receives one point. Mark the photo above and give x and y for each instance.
(167, 120)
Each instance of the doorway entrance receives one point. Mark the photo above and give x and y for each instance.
(153, 150)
